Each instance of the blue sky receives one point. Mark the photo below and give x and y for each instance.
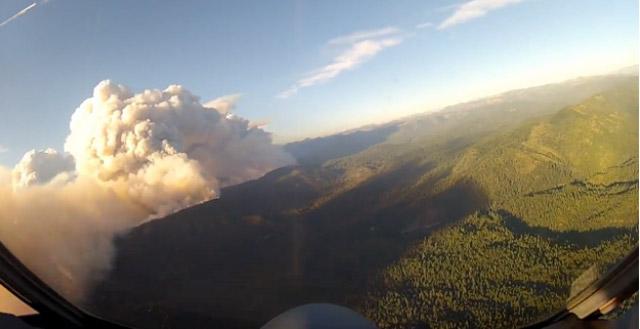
(306, 67)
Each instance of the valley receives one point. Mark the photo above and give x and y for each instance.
(498, 203)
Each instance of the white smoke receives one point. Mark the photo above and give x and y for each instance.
(224, 104)
(164, 147)
(63, 233)
(129, 158)
(38, 167)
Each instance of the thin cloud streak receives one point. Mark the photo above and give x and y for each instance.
(472, 10)
(18, 14)
(362, 46)
(424, 25)
(362, 35)
(3, 149)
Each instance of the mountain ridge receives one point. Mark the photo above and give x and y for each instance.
(329, 229)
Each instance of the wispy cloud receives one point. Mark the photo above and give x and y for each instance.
(363, 35)
(424, 25)
(18, 14)
(22, 12)
(473, 9)
(360, 46)
(3, 149)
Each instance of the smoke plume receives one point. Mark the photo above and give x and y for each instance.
(128, 158)
(38, 167)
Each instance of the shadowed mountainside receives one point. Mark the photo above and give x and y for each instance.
(319, 150)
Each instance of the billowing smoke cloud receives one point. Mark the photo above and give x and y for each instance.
(128, 158)
(163, 148)
(63, 232)
(38, 167)
(224, 104)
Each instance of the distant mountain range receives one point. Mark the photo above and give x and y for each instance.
(555, 164)
(628, 70)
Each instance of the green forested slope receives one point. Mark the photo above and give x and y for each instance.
(481, 274)
(576, 170)
(564, 195)
(476, 216)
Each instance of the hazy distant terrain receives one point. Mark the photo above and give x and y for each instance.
(471, 216)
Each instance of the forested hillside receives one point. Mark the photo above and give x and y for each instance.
(564, 194)
(479, 215)
(488, 271)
